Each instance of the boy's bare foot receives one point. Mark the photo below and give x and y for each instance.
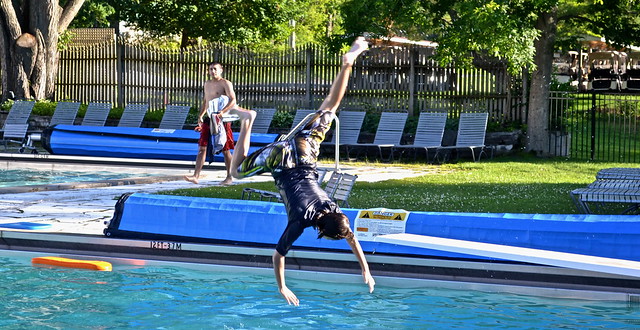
(193, 179)
(357, 47)
(226, 182)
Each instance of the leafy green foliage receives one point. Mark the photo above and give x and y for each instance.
(502, 29)
(233, 22)
(93, 13)
(282, 119)
(44, 108)
(317, 21)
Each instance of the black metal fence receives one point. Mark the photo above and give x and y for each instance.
(595, 126)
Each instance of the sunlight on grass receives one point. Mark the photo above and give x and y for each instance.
(517, 184)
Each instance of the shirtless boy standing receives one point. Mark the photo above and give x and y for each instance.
(213, 89)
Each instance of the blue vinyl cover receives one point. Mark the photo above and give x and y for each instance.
(256, 222)
(132, 142)
(26, 225)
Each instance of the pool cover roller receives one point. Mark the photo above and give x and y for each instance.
(258, 223)
(132, 142)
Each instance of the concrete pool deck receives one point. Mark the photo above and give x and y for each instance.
(83, 207)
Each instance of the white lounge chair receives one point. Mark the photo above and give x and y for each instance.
(264, 116)
(133, 114)
(65, 113)
(14, 133)
(429, 133)
(350, 127)
(174, 116)
(97, 113)
(19, 112)
(338, 188)
(300, 115)
(472, 129)
(388, 135)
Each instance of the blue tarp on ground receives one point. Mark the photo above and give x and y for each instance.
(131, 142)
(193, 219)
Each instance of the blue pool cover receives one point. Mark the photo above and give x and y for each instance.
(131, 142)
(257, 223)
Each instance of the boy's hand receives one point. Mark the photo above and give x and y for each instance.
(368, 279)
(289, 296)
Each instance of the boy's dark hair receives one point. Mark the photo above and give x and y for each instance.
(214, 63)
(334, 226)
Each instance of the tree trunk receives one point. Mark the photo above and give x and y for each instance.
(4, 60)
(30, 45)
(44, 24)
(538, 116)
(24, 51)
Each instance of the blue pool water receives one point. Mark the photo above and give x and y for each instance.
(24, 177)
(169, 297)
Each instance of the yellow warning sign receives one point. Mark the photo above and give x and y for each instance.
(383, 215)
(379, 221)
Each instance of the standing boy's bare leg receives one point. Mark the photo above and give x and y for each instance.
(202, 151)
(227, 163)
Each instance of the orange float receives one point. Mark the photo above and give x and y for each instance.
(73, 263)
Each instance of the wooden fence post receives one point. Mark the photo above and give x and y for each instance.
(120, 72)
(412, 79)
(309, 60)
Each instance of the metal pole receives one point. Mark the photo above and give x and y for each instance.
(337, 151)
(593, 125)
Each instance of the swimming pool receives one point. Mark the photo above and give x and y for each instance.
(19, 174)
(177, 295)
(22, 177)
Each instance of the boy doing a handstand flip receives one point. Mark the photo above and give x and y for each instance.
(292, 163)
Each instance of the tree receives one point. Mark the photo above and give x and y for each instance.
(29, 33)
(523, 33)
(318, 21)
(230, 21)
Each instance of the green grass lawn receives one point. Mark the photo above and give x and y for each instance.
(513, 184)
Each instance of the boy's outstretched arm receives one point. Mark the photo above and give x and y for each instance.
(339, 86)
(278, 268)
(357, 251)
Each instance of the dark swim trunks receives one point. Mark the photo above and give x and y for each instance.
(293, 166)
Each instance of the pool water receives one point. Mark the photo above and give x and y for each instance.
(24, 177)
(171, 297)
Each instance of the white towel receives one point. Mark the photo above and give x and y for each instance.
(218, 133)
(217, 104)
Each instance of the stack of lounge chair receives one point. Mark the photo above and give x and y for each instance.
(619, 186)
